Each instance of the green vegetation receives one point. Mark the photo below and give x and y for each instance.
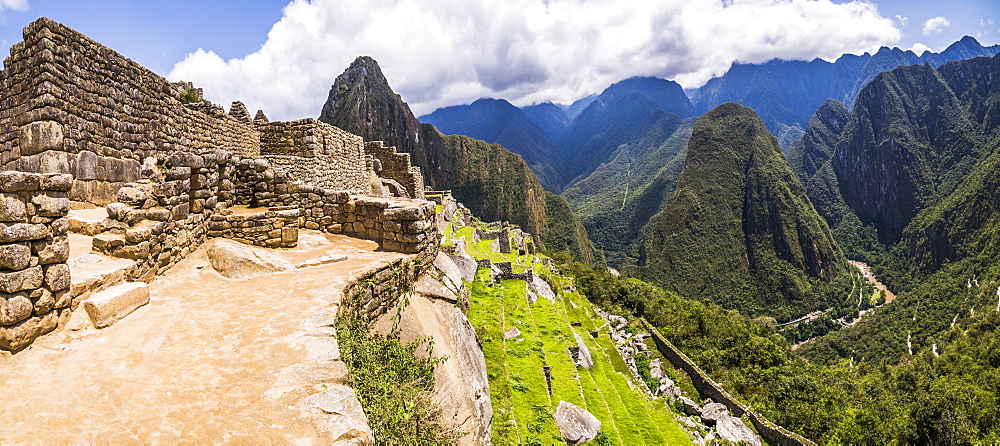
(637, 181)
(395, 387)
(190, 96)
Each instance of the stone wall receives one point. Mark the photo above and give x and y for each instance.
(769, 431)
(74, 106)
(397, 167)
(163, 218)
(276, 227)
(318, 154)
(34, 247)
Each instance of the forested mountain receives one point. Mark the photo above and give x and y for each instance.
(915, 170)
(622, 151)
(499, 122)
(740, 230)
(493, 182)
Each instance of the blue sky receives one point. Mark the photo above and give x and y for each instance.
(282, 56)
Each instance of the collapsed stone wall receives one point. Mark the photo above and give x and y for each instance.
(74, 106)
(769, 431)
(318, 154)
(397, 167)
(34, 247)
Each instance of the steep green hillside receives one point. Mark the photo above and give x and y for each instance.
(817, 144)
(637, 181)
(621, 115)
(493, 182)
(907, 145)
(564, 231)
(740, 230)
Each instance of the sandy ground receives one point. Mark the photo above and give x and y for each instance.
(209, 360)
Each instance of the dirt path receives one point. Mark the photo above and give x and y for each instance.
(209, 360)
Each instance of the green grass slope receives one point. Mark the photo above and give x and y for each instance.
(523, 406)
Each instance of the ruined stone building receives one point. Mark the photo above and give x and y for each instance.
(86, 127)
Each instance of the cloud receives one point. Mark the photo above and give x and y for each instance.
(919, 48)
(17, 5)
(935, 25)
(455, 51)
(902, 19)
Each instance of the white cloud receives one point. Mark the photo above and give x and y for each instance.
(902, 19)
(455, 51)
(17, 5)
(935, 25)
(919, 48)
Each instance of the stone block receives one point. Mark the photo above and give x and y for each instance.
(26, 279)
(289, 234)
(16, 256)
(106, 242)
(12, 208)
(111, 305)
(40, 136)
(86, 165)
(51, 204)
(44, 303)
(53, 161)
(61, 182)
(57, 276)
(13, 181)
(16, 232)
(20, 335)
(48, 251)
(15, 309)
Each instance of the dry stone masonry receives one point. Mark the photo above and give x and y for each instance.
(34, 277)
(89, 127)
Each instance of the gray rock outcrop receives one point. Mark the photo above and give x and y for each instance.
(582, 357)
(235, 260)
(461, 387)
(732, 429)
(576, 425)
(347, 423)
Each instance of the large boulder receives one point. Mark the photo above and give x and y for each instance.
(235, 260)
(690, 407)
(712, 412)
(111, 305)
(461, 387)
(732, 429)
(450, 274)
(576, 424)
(583, 358)
(541, 287)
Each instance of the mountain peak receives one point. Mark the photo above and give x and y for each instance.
(361, 102)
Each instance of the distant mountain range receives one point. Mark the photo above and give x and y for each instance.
(617, 157)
